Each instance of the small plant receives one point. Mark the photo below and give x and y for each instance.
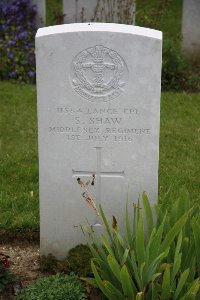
(17, 34)
(56, 287)
(6, 275)
(177, 73)
(152, 16)
(79, 260)
(152, 261)
(48, 263)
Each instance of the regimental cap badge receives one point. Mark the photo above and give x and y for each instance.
(99, 74)
(98, 54)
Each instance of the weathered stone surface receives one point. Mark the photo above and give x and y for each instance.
(99, 11)
(41, 12)
(98, 89)
(191, 29)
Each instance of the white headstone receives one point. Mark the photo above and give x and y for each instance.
(41, 12)
(99, 11)
(98, 89)
(191, 29)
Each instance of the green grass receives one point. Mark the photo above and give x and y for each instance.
(18, 157)
(180, 143)
(179, 151)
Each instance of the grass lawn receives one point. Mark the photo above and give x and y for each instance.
(180, 143)
(179, 151)
(19, 162)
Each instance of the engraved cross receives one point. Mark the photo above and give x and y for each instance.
(98, 175)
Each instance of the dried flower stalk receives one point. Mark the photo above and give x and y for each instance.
(87, 194)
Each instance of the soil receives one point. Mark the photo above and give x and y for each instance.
(23, 250)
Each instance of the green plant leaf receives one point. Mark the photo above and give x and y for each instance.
(124, 258)
(100, 283)
(105, 271)
(114, 266)
(96, 253)
(154, 291)
(166, 288)
(148, 212)
(192, 292)
(176, 266)
(181, 283)
(107, 245)
(128, 228)
(118, 248)
(178, 245)
(189, 255)
(127, 283)
(159, 213)
(117, 295)
(193, 271)
(196, 232)
(120, 239)
(169, 238)
(154, 243)
(155, 276)
(105, 223)
(183, 202)
(139, 242)
(136, 214)
(142, 270)
(136, 270)
(89, 280)
(153, 266)
(185, 246)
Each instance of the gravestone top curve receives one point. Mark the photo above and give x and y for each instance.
(108, 27)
